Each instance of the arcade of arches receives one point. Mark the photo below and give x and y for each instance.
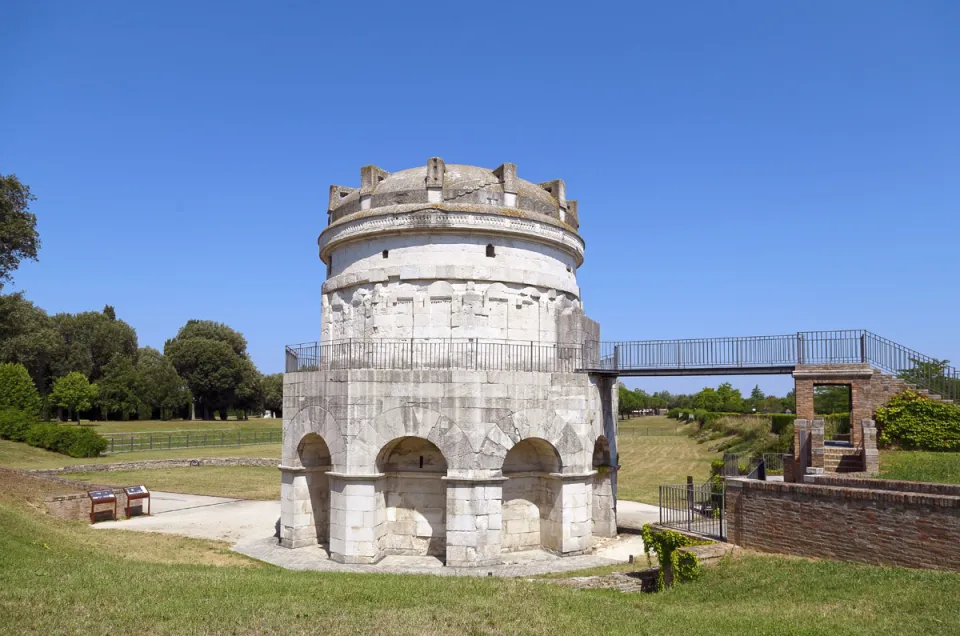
(413, 508)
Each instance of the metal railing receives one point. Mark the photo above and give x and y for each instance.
(773, 354)
(698, 356)
(693, 508)
(171, 440)
(749, 464)
(467, 354)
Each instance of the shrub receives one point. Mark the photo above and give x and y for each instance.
(914, 422)
(17, 390)
(68, 440)
(14, 424)
(674, 413)
(780, 421)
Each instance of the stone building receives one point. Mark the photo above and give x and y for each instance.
(442, 412)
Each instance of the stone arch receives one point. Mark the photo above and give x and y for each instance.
(532, 511)
(414, 498)
(410, 421)
(314, 457)
(312, 419)
(529, 423)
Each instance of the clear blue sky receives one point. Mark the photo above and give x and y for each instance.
(742, 167)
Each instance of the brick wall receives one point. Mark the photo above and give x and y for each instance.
(870, 521)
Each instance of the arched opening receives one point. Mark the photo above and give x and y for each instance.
(532, 514)
(414, 498)
(603, 517)
(315, 458)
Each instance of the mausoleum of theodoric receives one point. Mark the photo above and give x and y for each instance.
(443, 413)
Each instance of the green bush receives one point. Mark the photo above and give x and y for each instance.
(913, 422)
(14, 424)
(673, 413)
(68, 440)
(780, 421)
(17, 390)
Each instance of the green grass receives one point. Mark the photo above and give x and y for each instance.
(136, 426)
(651, 425)
(244, 482)
(63, 578)
(17, 455)
(647, 462)
(920, 466)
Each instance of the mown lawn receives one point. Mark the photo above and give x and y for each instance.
(17, 455)
(647, 462)
(136, 426)
(65, 578)
(920, 466)
(244, 482)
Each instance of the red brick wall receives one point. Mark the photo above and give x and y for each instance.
(869, 523)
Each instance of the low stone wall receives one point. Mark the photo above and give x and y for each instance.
(148, 464)
(77, 507)
(853, 519)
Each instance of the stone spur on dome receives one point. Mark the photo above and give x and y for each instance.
(444, 411)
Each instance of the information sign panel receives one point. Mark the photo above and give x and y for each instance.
(101, 497)
(134, 493)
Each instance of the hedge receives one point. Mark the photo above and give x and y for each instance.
(74, 441)
(914, 422)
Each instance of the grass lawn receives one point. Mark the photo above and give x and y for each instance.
(920, 466)
(136, 426)
(651, 425)
(65, 578)
(245, 482)
(647, 462)
(17, 455)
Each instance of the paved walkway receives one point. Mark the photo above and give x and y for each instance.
(251, 527)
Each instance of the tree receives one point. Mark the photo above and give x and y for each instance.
(161, 387)
(91, 340)
(120, 388)
(210, 357)
(17, 389)
(273, 393)
(708, 400)
(28, 337)
(249, 392)
(932, 375)
(75, 393)
(627, 401)
(771, 404)
(731, 401)
(18, 226)
(831, 399)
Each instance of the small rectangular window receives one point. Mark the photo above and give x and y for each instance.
(491, 252)
(386, 253)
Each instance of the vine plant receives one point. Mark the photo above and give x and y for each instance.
(684, 566)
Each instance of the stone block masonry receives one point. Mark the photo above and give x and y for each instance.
(864, 520)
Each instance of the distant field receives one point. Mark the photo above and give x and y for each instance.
(137, 426)
(654, 452)
(920, 466)
(243, 482)
(17, 455)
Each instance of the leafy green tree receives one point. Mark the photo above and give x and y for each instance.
(91, 340)
(17, 389)
(210, 357)
(18, 226)
(161, 388)
(831, 399)
(120, 388)
(731, 401)
(708, 399)
(28, 337)
(273, 393)
(771, 404)
(75, 393)
(627, 401)
(249, 393)
(932, 376)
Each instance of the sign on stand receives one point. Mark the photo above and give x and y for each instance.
(98, 497)
(134, 493)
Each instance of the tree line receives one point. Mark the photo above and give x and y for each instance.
(723, 399)
(89, 365)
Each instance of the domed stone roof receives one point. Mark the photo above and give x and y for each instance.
(450, 185)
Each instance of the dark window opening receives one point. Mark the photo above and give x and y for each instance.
(421, 461)
(491, 252)
(385, 253)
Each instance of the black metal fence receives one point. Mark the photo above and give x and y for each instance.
(747, 464)
(694, 508)
(466, 354)
(170, 440)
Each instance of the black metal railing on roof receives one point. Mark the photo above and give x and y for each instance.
(696, 356)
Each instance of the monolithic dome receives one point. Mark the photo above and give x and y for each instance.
(443, 411)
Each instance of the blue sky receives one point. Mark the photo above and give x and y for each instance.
(742, 167)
